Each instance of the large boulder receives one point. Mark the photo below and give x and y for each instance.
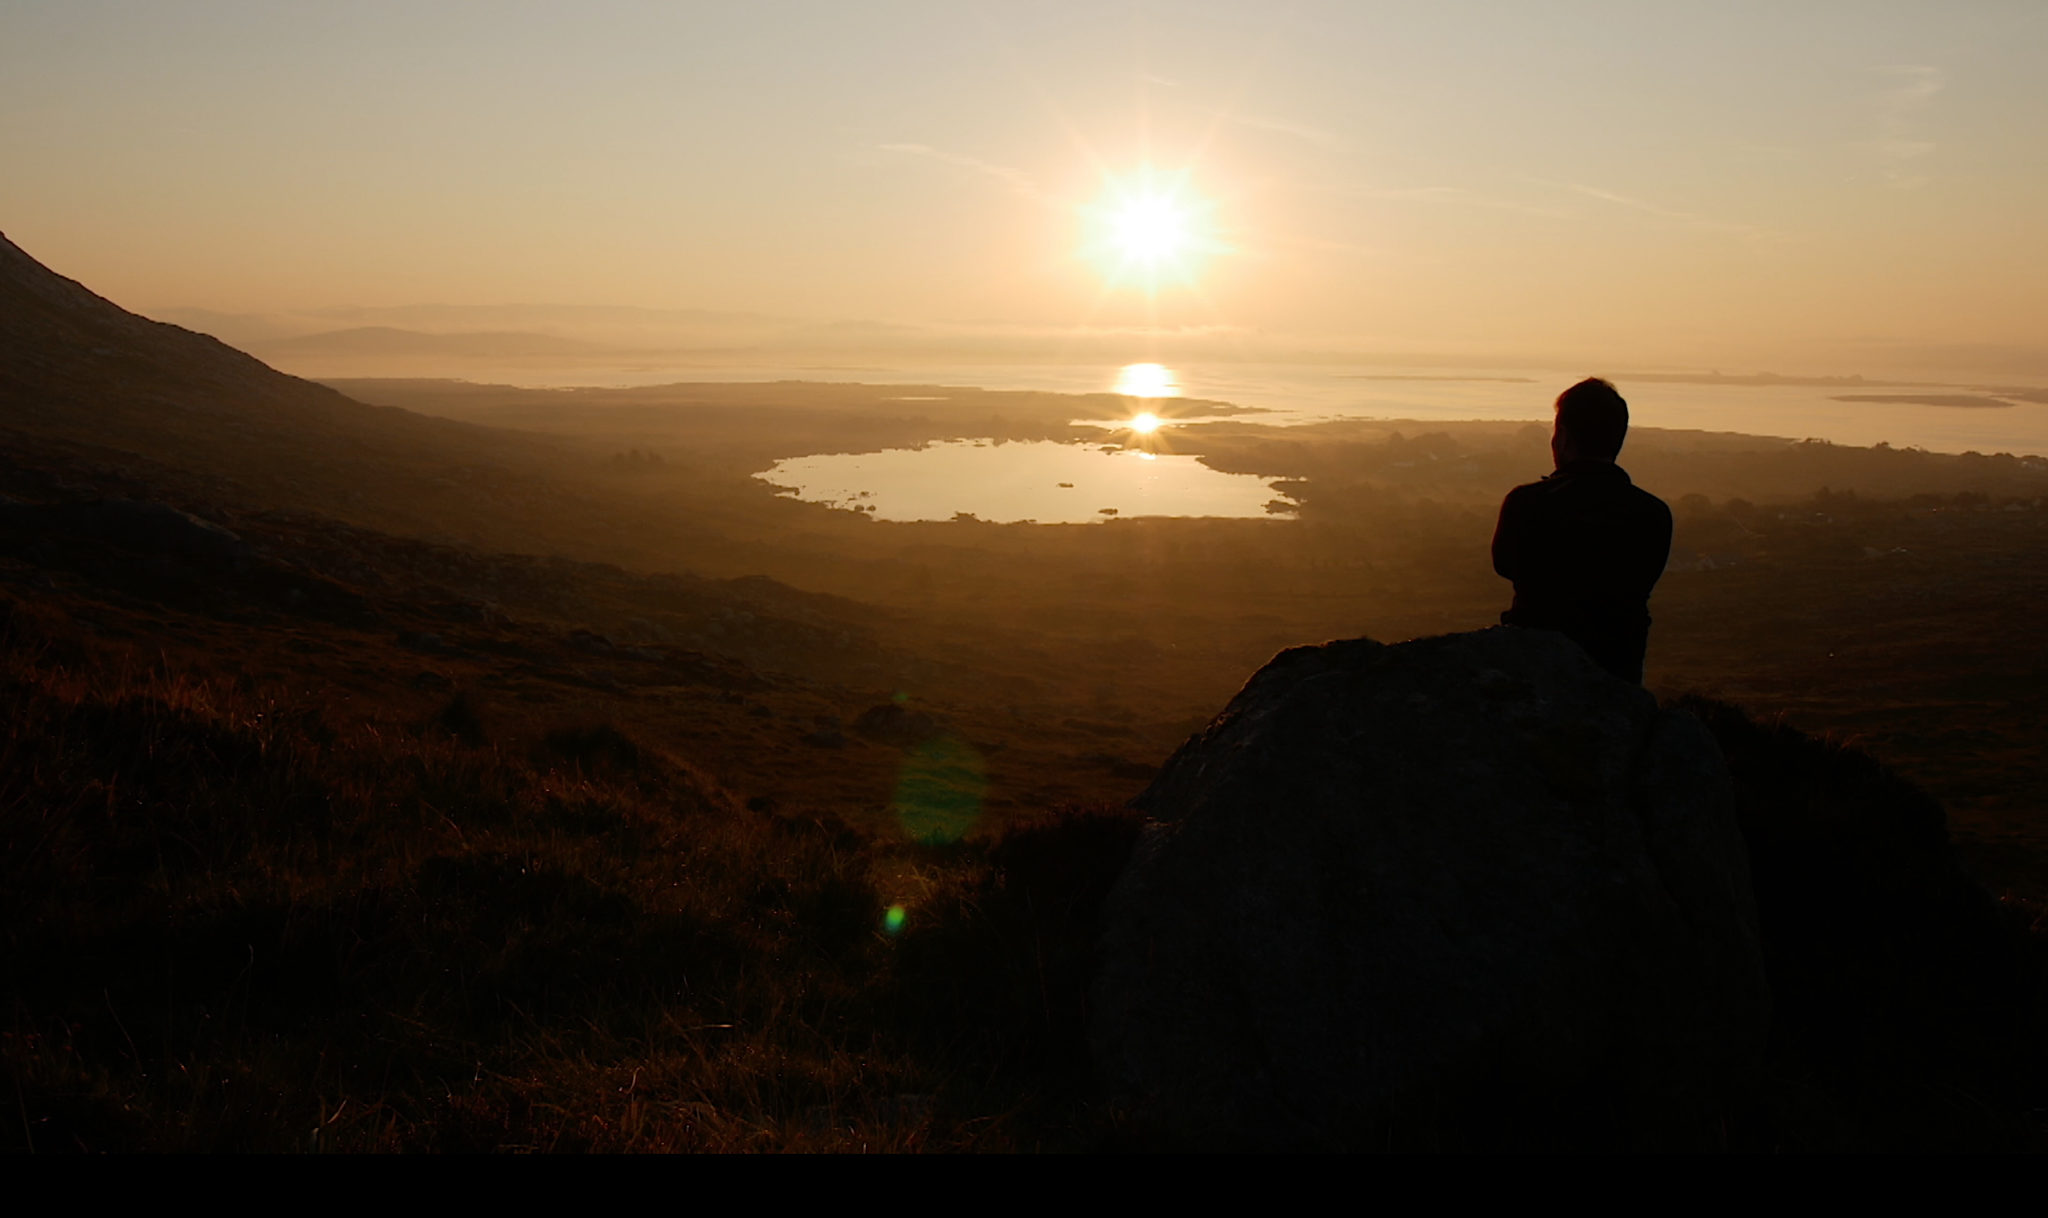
(1462, 890)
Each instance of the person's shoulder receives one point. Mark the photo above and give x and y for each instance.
(1522, 495)
(1648, 504)
(1646, 498)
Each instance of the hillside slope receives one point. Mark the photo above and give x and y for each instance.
(184, 410)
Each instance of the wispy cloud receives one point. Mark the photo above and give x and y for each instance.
(1676, 216)
(1207, 330)
(1016, 179)
(1689, 219)
(1552, 208)
(1459, 196)
(1900, 140)
(1309, 243)
(1313, 135)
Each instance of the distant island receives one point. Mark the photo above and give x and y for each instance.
(1759, 378)
(1389, 376)
(1968, 401)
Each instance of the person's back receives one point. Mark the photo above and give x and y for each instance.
(1585, 546)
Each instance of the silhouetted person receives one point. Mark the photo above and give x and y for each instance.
(1585, 545)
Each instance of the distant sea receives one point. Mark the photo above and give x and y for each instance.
(1973, 417)
(1294, 394)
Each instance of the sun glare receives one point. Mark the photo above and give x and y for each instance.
(1145, 424)
(1147, 381)
(1149, 229)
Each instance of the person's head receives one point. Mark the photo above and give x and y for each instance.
(1591, 422)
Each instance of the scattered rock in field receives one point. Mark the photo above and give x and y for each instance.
(826, 733)
(890, 723)
(590, 642)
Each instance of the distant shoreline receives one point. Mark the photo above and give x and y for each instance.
(1953, 416)
(1388, 376)
(1960, 401)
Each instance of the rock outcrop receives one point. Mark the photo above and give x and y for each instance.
(1461, 890)
(147, 528)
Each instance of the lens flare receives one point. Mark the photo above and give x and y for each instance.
(892, 921)
(939, 791)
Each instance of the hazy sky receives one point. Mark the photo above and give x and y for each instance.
(1798, 184)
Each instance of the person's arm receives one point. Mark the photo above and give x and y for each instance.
(1664, 541)
(1656, 543)
(1511, 538)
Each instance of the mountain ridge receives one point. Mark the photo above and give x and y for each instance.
(79, 370)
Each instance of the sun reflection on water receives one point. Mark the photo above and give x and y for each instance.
(1147, 381)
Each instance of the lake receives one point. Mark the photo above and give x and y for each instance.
(1037, 480)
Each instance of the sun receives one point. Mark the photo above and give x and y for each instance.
(1149, 229)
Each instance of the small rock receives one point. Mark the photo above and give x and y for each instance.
(890, 723)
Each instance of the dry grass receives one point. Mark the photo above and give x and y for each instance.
(232, 924)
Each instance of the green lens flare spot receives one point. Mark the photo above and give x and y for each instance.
(939, 791)
(892, 921)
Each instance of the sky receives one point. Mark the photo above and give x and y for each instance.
(1820, 186)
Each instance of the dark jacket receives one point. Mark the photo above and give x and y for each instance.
(1584, 547)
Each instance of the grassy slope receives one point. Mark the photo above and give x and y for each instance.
(238, 912)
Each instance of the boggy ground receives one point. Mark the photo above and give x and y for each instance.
(375, 840)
